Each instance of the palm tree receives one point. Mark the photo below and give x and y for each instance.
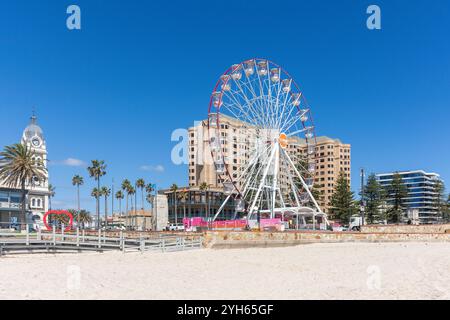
(140, 183)
(174, 189)
(120, 196)
(205, 187)
(106, 192)
(84, 217)
(183, 197)
(96, 171)
(51, 194)
(131, 191)
(149, 188)
(96, 193)
(149, 198)
(78, 181)
(17, 167)
(126, 185)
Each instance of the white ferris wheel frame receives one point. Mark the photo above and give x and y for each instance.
(274, 107)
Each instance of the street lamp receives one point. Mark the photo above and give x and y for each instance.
(362, 209)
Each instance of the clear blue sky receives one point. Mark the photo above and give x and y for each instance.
(140, 69)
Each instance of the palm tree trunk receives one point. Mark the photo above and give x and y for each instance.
(78, 200)
(106, 212)
(143, 204)
(126, 213)
(98, 204)
(206, 207)
(78, 194)
(176, 209)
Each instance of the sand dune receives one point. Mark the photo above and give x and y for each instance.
(317, 271)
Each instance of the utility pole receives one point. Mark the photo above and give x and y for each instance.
(362, 196)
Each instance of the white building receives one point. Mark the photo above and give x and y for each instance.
(421, 193)
(37, 197)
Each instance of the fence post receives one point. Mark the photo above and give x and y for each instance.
(99, 238)
(62, 232)
(27, 234)
(38, 236)
(122, 243)
(84, 235)
(163, 245)
(54, 235)
(142, 244)
(78, 237)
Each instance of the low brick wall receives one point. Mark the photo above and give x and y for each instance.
(432, 228)
(244, 239)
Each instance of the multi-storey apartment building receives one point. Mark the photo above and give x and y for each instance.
(421, 192)
(332, 156)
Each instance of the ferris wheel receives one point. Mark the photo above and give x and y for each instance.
(263, 143)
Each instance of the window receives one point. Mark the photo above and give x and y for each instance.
(4, 197)
(16, 198)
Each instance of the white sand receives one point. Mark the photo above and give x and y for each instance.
(319, 271)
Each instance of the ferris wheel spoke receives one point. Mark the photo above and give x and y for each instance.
(278, 101)
(253, 117)
(293, 121)
(284, 106)
(232, 108)
(250, 104)
(259, 106)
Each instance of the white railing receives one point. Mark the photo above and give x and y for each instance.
(80, 240)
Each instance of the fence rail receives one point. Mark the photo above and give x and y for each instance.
(80, 240)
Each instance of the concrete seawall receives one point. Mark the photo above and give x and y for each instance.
(434, 228)
(244, 239)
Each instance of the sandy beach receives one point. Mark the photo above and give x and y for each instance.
(316, 271)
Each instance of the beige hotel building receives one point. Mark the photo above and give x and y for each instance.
(332, 157)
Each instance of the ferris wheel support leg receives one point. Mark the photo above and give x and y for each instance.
(275, 180)
(304, 184)
(294, 189)
(263, 180)
(221, 208)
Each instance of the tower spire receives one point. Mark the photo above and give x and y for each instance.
(33, 115)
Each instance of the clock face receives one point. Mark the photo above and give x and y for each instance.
(37, 182)
(36, 142)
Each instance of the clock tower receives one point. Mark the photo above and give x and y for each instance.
(38, 193)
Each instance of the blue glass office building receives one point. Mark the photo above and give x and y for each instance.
(421, 195)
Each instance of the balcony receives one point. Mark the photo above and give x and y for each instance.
(10, 206)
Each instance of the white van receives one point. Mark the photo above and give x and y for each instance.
(175, 227)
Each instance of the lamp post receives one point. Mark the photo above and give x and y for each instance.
(362, 209)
